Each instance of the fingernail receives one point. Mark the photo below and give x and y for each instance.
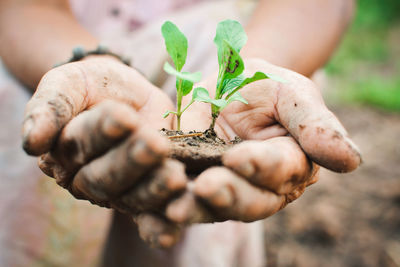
(26, 130)
(63, 178)
(222, 198)
(246, 169)
(175, 181)
(28, 125)
(140, 153)
(181, 209)
(111, 128)
(46, 165)
(165, 240)
(176, 212)
(354, 147)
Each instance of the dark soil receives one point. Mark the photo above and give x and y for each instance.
(197, 152)
(347, 219)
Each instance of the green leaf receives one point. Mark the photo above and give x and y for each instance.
(237, 97)
(234, 65)
(221, 103)
(276, 78)
(192, 77)
(176, 44)
(187, 86)
(232, 32)
(201, 94)
(230, 84)
(256, 77)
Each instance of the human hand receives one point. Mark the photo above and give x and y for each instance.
(287, 131)
(94, 123)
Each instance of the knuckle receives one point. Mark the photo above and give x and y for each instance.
(117, 123)
(91, 186)
(295, 194)
(62, 176)
(158, 144)
(139, 153)
(81, 180)
(118, 110)
(45, 165)
(69, 151)
(112, 128)
(107, 105)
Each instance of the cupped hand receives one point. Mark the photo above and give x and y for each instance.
(287, 132)
(94, 125)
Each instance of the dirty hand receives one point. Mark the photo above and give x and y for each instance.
(94, 123)
(287, 131)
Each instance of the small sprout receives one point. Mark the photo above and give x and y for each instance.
(177, 45)
(230, 38)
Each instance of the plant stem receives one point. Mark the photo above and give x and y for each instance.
(220, 83)
(179, 105)
(178, 122)
(214, 108)
(186, 107)
(214, 118)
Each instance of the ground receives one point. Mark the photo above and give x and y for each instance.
(347, 219)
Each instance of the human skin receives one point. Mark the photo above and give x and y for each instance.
(70, 90)
(280, 123)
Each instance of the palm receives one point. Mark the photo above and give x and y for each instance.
(255, 121)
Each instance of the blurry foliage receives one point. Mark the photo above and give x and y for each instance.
(376, 91)
(366, 66)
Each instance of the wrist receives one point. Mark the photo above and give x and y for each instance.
(79, 53)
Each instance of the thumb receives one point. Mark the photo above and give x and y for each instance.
(61, 94)
(303, 113)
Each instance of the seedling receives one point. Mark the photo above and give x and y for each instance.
(230, 38)
(177, 45)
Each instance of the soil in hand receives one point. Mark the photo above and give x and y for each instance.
(197, 150)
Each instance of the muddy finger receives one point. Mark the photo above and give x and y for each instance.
(92, 133)
(108, 176)
(233, 198)
(187, 209)
(47, 164)
(301, 110)
(160, 185)
(157, 231)
(277, 164)
(59, 97)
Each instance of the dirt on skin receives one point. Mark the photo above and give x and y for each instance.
(347, 219)
(197, 150)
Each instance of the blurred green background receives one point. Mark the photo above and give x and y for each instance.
(366, 67)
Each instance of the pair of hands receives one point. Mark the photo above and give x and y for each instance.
(94, 125)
